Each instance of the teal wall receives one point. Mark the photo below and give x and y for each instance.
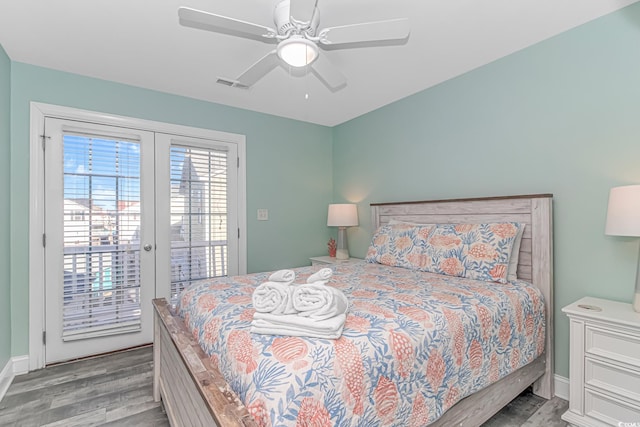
(560, 117)
(288, 169)
(5, 152)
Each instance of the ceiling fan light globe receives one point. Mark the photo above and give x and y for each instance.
(297, 51)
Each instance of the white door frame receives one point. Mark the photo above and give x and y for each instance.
(38, 111)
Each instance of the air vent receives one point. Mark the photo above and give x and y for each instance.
(231, 83)
(224, 82)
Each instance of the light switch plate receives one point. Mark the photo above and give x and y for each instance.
(263, 214)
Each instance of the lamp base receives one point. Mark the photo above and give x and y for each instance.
(342, 254)
(342, 251)
(636, 296)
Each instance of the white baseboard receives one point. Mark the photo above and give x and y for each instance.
(561, 386)
(20, 365)
(15, 366)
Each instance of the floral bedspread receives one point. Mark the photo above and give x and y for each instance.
(413, 345)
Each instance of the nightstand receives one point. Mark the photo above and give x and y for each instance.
(320, 260)
(604, 372)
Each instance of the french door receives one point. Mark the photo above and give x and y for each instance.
(130, 215)
(194, 211)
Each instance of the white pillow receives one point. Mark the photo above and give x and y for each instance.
(512, 269)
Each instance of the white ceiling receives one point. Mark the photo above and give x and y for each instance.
(140, 43)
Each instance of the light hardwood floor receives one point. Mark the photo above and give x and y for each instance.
(116, 390)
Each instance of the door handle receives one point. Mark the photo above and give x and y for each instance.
(147, 247)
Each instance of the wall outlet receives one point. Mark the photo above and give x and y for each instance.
(263, 214)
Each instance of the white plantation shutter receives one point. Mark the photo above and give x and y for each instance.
(199, 209)
(101, 236)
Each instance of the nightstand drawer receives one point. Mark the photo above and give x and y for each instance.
(609, 410)
(613, 345)
(625, 382)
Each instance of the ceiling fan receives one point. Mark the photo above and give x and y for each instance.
(298, 38)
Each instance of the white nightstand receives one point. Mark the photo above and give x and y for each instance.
(320, 260)
(604, 372)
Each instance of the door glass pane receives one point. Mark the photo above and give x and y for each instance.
(101, 236)
(198, 215)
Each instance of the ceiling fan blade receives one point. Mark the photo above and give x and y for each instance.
(222, 24)
(259, 69)
(328, 73)
(392, 29)
(301, 11)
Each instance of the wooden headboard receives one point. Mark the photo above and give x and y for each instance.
(535, 263)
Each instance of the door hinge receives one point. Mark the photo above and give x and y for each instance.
(44, 337)
(238, 161)
(44, 240)
(238, 233)
(44, 139)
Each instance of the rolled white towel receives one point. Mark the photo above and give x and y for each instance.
(321, 275)
(269, 324)
(273, 297)
(287, 276)
(318, 301)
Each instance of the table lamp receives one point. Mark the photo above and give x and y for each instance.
(342, 215)
(623, 219)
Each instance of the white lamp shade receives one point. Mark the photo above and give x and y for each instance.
(297, 51)
(342, 215)
(623, 214)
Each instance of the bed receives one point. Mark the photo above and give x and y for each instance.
(194, 391)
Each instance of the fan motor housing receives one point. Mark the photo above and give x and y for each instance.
(281, 17)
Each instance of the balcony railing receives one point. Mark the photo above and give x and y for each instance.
(102, 282)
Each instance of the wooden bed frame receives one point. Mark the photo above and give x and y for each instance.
(194, 392)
